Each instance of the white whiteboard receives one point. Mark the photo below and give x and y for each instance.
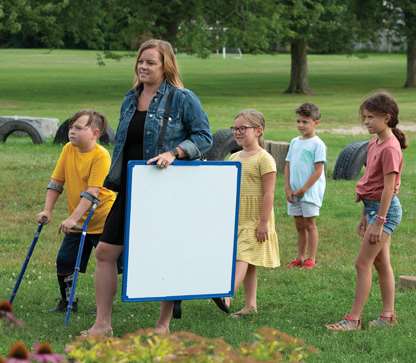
(181, 230)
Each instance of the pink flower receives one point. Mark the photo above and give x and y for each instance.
(18, 354)
(43, 354)
(6, 313)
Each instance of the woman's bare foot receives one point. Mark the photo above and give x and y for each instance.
(97, 331)
(162, 329)
(246, 310)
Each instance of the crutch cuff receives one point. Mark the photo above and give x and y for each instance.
(92, 198)
(53, 185)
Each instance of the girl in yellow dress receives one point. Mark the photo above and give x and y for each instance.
(257, 237)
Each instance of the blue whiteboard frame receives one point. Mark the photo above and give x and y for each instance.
(177, 163)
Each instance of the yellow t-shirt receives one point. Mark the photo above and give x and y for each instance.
(79, 171)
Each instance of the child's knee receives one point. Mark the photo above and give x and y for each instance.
(300, 224)
(362, 265)
(106, 253)
(381, 264)
(310, 223)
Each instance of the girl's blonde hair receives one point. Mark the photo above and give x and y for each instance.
(167, 57)
(256, 119)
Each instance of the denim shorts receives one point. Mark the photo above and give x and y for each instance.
(394, 214)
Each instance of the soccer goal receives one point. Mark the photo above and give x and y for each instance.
(231, 52)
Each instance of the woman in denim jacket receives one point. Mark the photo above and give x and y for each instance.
(186, 135)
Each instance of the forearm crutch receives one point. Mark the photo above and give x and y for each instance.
(26, 262)
(94, 205)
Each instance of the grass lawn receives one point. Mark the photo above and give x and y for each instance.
(58, 83)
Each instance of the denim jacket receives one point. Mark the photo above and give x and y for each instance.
(187, 128)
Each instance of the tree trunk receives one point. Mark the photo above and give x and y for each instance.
(298, 68)
(411, 62)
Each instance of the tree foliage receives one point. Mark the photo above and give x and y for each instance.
(31, 23)
(201, 26)
(403, 14)
(396, 18)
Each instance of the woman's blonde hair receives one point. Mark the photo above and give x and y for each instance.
(167, 57)
(256, 119)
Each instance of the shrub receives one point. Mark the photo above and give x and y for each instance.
(269, 345)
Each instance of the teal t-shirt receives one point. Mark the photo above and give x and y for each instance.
(302, 156)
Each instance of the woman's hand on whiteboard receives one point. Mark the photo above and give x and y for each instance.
(262, 232)
(162, 160)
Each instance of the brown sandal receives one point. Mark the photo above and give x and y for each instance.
(383, 322)
(346, 324)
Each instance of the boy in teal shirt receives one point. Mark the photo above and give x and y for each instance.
(305, 183)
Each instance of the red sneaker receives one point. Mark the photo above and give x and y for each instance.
(309, 264)
(295, 263)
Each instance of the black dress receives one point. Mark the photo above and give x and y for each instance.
(113, 232)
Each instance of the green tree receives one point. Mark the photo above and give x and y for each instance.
(81, 23)
(251, 25)
(194, 37)
(127, 23)
(264, 25)
(394, 17)
(313, 22)
(10, 12)
(32, 23)
(403, 21)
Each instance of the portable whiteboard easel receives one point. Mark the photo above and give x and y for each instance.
(181, 230)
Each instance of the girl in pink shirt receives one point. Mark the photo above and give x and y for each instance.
(382, 211)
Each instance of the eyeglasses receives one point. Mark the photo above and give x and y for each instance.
(241, 129)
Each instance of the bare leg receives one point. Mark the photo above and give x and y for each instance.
(240, 274)
(166, 309)
(364, 263)
(250, 287)
(302, 237)
(312, 233)
(386, 278)
(105, 285)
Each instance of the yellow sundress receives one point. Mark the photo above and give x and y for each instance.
(249, 250)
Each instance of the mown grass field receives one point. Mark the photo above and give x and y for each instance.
(58, 83)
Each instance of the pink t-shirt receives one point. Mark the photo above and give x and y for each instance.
(382, 159)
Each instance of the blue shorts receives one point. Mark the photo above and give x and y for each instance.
(394, 214)
(302, 209)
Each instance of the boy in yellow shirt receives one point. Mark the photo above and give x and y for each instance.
(82, 168)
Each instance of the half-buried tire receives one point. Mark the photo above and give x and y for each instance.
(12, 126)
(223, 144)
(350, 160)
